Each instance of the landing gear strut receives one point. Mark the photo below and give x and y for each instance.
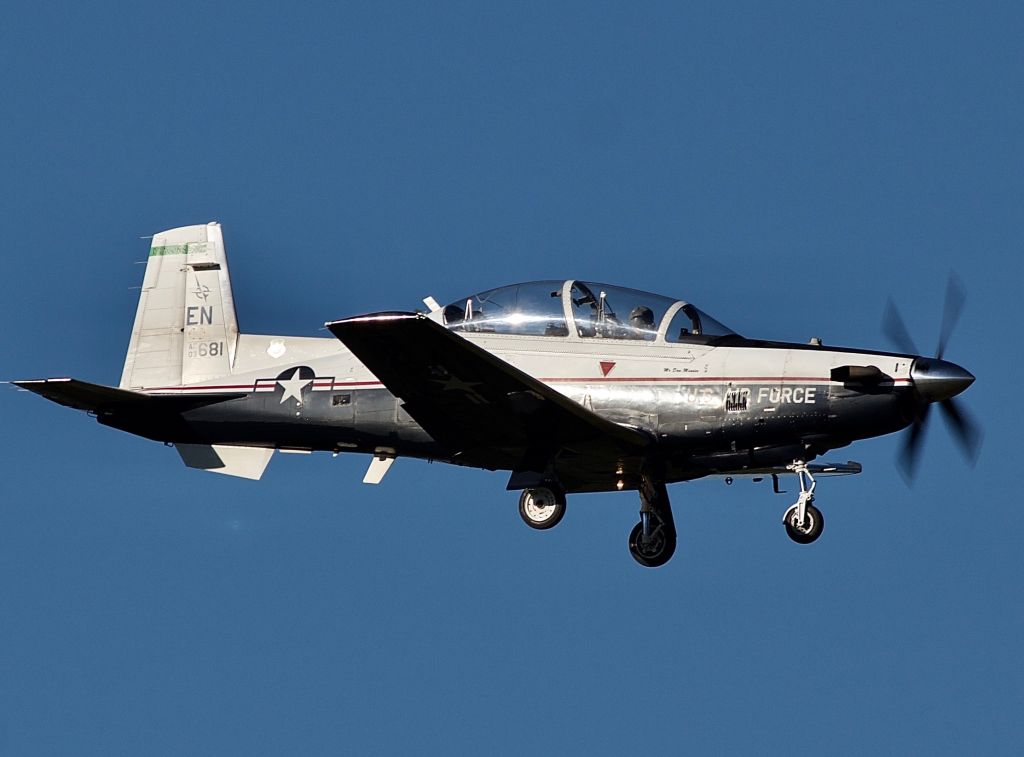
(542, 507)
(652, 541)
(804, 522)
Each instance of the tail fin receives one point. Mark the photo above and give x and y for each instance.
(185, 327)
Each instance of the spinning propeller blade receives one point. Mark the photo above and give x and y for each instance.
(911, 451)
(934, 381)
(955, 298)
(896, 330)
(967, 433)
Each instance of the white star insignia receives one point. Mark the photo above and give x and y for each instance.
(293, 387)
(454, 383)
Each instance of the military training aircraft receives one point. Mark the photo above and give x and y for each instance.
(571, 386)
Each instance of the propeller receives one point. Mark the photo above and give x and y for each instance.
(936, 381)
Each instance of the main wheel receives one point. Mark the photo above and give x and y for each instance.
(657, 551)
(809, 530)
(541, 508)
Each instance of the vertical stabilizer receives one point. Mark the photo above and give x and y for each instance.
(185, 326)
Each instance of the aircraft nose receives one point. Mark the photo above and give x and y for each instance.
(937, 380)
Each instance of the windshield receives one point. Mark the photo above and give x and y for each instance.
(692, 325)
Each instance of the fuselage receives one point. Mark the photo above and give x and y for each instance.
(712, 408)
(572, 385)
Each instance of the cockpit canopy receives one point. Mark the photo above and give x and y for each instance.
(590, 310)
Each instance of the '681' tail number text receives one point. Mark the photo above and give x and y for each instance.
(205, 349)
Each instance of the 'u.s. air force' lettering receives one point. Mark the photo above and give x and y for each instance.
(787, 395)
(738, 399)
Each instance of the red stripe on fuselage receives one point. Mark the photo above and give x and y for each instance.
(552, 380)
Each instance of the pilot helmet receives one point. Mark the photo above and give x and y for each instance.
(641, 317)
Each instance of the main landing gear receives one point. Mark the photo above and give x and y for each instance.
(804, 522)
(652, 541)
(542, 507)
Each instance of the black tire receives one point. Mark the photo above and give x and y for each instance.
(656, 553)
(531, 513)
(810, 531)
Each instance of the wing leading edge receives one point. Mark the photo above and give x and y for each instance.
(486, 412)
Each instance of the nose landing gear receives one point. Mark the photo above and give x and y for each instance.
(804, 522)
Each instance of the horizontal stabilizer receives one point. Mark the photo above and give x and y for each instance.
(82, 395)
(243, 462)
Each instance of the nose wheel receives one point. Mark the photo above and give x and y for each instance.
(807, 530)
(804, 522)
(542, 508)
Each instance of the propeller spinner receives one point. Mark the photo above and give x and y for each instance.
(935, 381)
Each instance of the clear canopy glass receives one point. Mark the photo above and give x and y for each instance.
(595, 311)
(609, 312)
(531, 309)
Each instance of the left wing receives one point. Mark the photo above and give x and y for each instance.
(81, 395)
(486, 412)
(100, 399)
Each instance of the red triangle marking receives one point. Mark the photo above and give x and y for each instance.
(606, 367)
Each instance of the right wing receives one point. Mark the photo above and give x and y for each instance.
(486, 412)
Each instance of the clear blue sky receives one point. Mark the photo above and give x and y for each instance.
(785, 166)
